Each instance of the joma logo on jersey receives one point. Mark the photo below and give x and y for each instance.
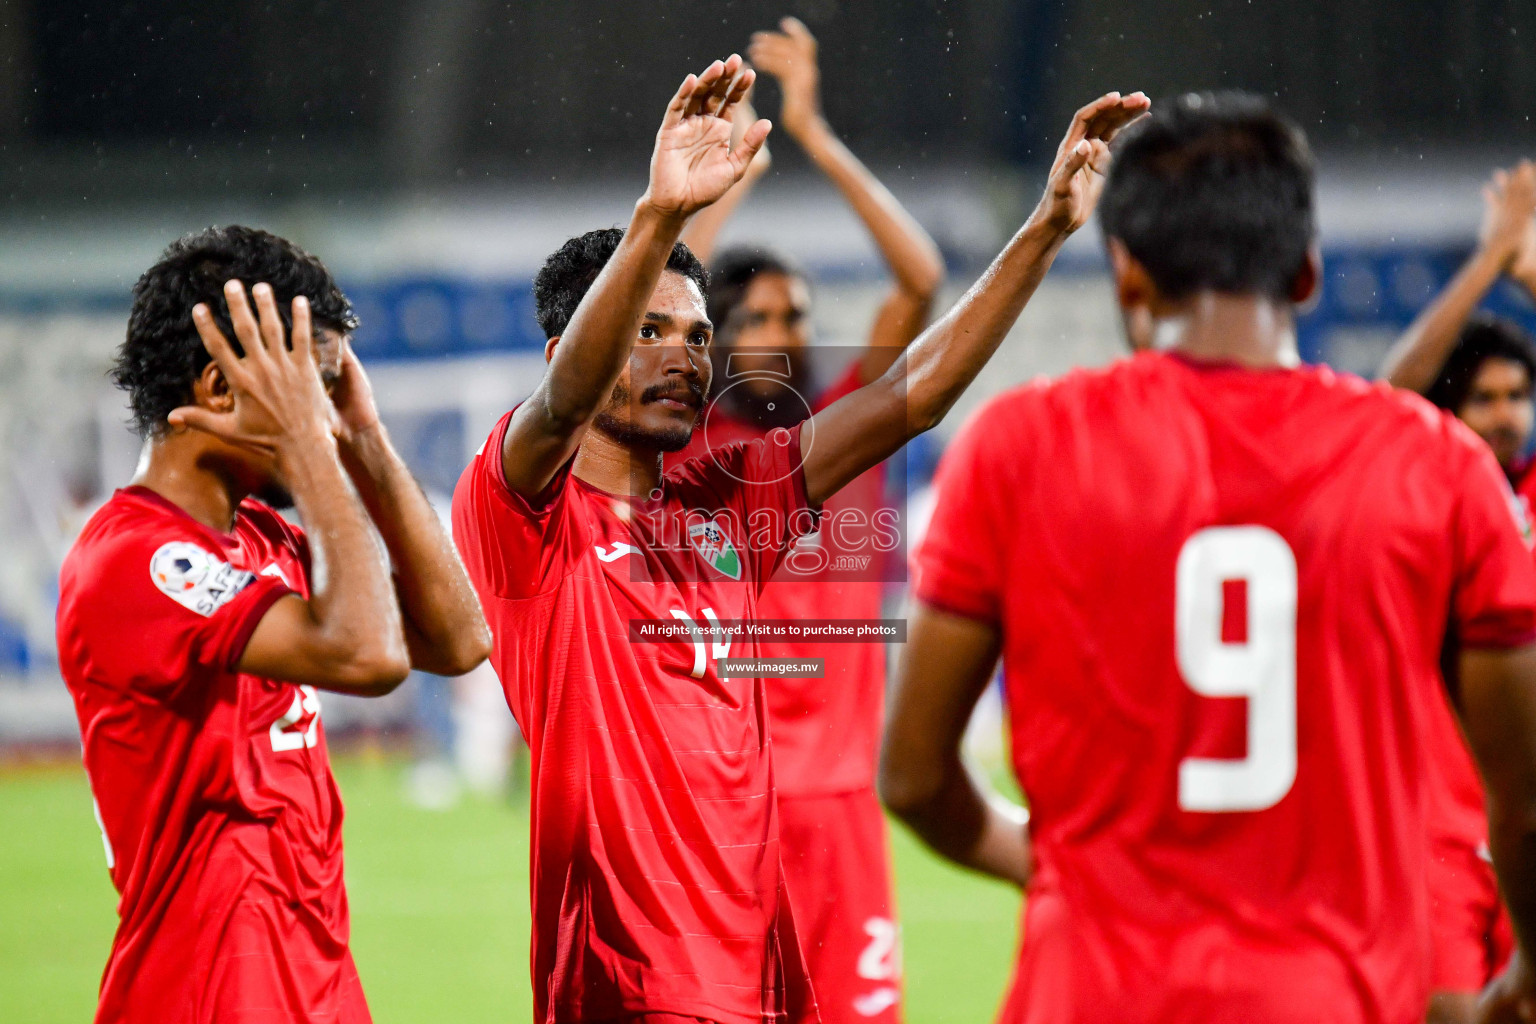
(715, 548)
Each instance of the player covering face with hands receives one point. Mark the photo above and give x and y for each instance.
(196, 627)
(657, 883)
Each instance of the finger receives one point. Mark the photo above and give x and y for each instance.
(271, 321)
(1112, 117)
(1078, 129)
(679, 103)
(796, 30)
(751, 141)
(303, 330)
(715, 102)
(701, 88)
(738, 93)
(1114, 120)
(243, 320)
(217, 345)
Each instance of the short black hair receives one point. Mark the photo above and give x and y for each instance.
(566, 276)
(733, 271)
(162, 355)
(1484, 337)
(1214, 191)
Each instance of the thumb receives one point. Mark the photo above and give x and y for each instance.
(751, 141)
(1077, 158)
(195, 417)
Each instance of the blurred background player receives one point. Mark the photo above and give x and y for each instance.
(1480, 368)
(193, 643)
(657, 880)
(1220, 664)
(826, 731)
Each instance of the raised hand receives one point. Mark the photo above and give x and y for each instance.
(789, 55)
(1082, 159)
(278, 399)
(1509, 204)
(694, 162)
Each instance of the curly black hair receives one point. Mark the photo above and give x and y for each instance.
(162, 355)
(569, 272)
(1483, 338)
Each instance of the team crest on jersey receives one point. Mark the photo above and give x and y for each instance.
(715, 548)
(1521, 510)
(195, 579)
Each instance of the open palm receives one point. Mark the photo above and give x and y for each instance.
(694, 162)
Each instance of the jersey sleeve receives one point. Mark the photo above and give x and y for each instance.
(513, 547)
(1494, 604)
(164, 609)
(761, 484)
(957, 567)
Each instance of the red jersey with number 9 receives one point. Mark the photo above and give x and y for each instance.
(213, 788)
(1223, 595)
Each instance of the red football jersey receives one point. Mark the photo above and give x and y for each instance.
(826, 732)
(213, 788)
(1223, 595)
(656, 874)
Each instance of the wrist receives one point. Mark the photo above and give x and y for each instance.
(649, 216)
(1046, 227)
(364, 439)
(298, 454)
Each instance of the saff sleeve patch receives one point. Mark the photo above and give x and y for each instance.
(194, 578)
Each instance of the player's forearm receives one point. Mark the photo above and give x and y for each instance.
(959, 821)
(943, 362)
(445, 629)
(1512, 841)
(912, 256)
(1417, 358)
(602, 332)
(356, 621)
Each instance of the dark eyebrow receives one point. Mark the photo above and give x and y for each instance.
(666, 320)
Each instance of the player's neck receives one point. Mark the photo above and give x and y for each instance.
(1246, 329)
(173, 469)
(616, 468)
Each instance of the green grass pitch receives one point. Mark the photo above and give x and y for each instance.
(439, 908)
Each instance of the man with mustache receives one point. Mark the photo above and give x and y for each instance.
(656, 874)
(826, 727)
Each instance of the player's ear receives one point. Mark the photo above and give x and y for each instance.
(549, 348)
(1133, 285)
(211, 390)
(1306, 288)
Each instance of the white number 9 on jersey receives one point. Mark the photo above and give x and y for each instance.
(1262, 669)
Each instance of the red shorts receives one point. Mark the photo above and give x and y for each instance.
(1470, 928)
(837, 864)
